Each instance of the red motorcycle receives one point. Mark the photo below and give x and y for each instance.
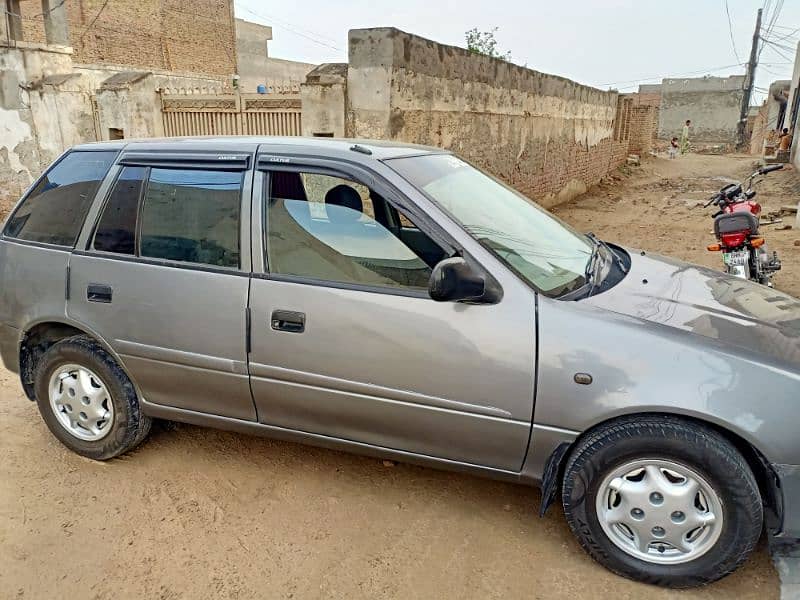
(736, 223)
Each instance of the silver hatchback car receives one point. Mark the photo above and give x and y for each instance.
(395, 301)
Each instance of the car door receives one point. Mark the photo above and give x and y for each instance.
(163, 277)
(347, 343)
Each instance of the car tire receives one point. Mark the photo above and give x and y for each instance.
(76, 384)
(608, 496)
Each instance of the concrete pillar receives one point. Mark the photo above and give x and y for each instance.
(56, 27)
(372, 54)
(324, 97)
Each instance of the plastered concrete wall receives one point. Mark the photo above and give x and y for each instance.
(256, 66)
(280, 71)
(777, 99)
(252, 39)
(760, 129)
(324, 101)
(36, 121)
(135, 107)
(545, 135)
(46, 107)
(712, 104)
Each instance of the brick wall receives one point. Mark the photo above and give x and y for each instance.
(643, 128)
(171, 35)
(547, 136)
(32, 26)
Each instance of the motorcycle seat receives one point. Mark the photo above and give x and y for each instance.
(736, 222)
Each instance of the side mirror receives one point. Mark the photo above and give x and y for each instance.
(454, 280)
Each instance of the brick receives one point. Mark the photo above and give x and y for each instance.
(171, 35)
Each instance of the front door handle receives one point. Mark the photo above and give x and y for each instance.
(98, 292)
(289, 321)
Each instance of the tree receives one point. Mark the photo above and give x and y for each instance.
(483, 42)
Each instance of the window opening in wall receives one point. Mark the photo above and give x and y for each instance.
(116, 134)
(13, 19)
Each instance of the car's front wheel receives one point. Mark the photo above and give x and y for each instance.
(662, 500)
(87, 400)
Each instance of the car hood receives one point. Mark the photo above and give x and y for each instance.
(708, 303)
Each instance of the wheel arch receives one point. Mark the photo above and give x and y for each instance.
(38, 336)
(557, 461)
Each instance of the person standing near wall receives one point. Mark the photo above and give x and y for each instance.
(785, 140)
(673, 147)
(685, 137)
(784, 144)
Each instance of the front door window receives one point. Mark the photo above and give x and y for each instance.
(333, 229)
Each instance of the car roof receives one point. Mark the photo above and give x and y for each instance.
(333, 147)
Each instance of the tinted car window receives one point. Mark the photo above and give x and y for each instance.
(331, 237)
(54, 211)
(192, 216)
(116, 231)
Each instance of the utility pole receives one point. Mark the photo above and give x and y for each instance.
(749, 80)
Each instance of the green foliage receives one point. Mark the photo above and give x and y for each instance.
(483, 42)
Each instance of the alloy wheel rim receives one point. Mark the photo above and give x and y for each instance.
(80, 402)
(659, 511)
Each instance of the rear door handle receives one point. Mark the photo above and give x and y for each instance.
(289, 321)
(97, 292)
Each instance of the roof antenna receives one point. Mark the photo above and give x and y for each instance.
(361, 149)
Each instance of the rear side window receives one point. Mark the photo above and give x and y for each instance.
(54, 211)
(116, 231)
(186, 215)
(192, 216)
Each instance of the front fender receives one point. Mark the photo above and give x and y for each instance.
(638, 366)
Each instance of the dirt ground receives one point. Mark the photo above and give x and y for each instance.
(654, 208)
(197, 513)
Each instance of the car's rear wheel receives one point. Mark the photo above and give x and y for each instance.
(662, 500)
(87, 400)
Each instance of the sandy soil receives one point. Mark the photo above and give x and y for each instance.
(197, 513)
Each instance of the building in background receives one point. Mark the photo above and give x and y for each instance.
(74, 71)
(169, 35)
(752, 115)
(545, 135)
(777, 103)
(257, 67)
(645, 107)
(757, 125)
(713, 104)
(548, 136)
(794, 113)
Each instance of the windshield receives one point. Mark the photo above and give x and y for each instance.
(538, 246)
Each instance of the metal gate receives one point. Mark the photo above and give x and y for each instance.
(230, 114)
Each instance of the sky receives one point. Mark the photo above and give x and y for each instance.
(605, 43)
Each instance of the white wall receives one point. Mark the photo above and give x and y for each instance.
(36, 122)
